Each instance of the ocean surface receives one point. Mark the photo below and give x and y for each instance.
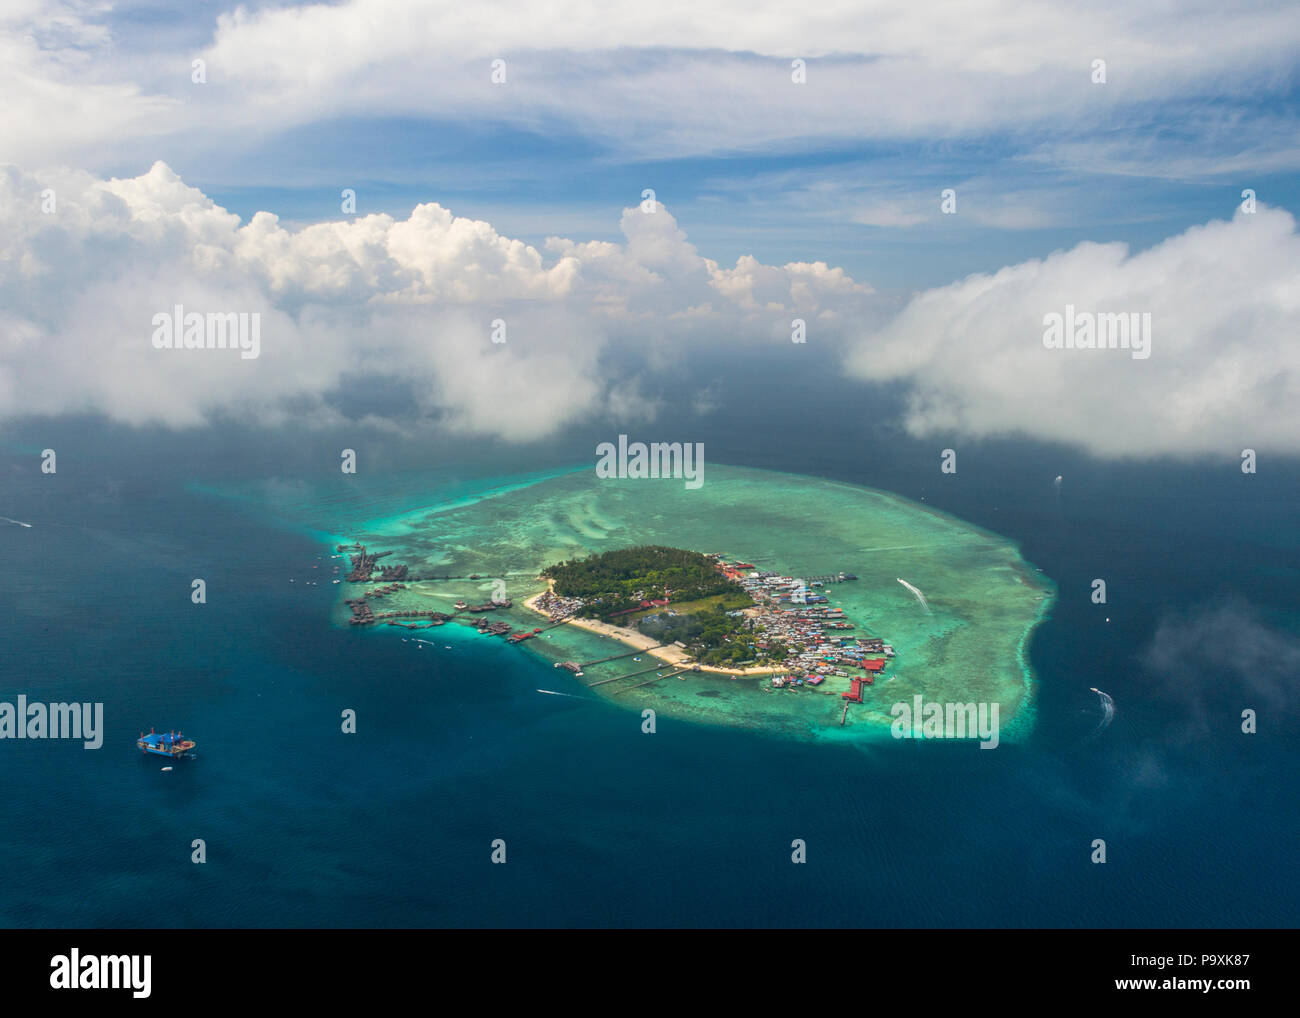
(604, 826)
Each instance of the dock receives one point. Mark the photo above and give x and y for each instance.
(657, 678)
(669, 670)
(364, 615)
(619, 657)
(630, 675)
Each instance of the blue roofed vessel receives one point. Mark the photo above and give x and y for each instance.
(168, 744)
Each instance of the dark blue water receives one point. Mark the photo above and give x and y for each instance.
(605, 826)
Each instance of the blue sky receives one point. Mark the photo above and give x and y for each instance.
(779, 207)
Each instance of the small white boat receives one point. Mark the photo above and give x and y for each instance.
(166, 768)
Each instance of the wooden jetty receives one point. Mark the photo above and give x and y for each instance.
(618, 657)
(670, 675)
(630, 675)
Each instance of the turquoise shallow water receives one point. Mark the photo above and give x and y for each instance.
(966, 645)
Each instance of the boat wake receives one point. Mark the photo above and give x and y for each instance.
(18, 523)
(1107, 710)
(571, 696)
(916, 594)
(1107, 715)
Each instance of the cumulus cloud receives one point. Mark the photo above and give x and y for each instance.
(1223, 372)
(412, 300)
(591, 325)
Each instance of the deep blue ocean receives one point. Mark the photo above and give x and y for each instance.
(306, 827)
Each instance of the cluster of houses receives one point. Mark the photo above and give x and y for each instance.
(557, 607)
(816, 636)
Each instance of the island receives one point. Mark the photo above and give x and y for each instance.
(699, 612)
(790, 605)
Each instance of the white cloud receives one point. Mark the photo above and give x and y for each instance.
(591, 323)
(671, 79)
(1223, 372)
(412, 299)
(63, 89)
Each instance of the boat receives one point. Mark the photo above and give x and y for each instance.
(166, 768)
(168, 744)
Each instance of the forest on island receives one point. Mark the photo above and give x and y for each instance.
(622, 579)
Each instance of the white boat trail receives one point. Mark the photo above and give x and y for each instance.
(916, 593)
(571, 696)
(1107, 710)
(19, 523)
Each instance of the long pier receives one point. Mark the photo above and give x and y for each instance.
(475, 576)
(365, 563)
(603, 681)
(631, 675)
(618, 657)
(679, 671)
(831, 577)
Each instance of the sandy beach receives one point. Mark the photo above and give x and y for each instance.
(672, 655)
